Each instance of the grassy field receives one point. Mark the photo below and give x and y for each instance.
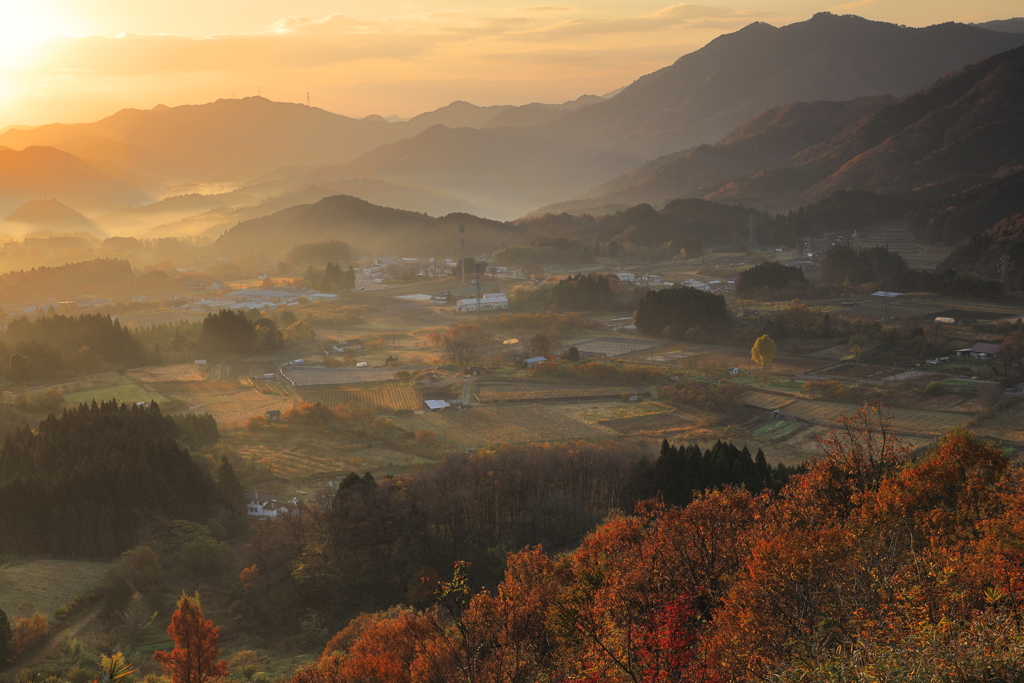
(44, 585)
(389, 395)
(230, 402)
(183, 372)
(905, 420)
(593, 413)
(656, 423)
(480, 427)
(124, 393)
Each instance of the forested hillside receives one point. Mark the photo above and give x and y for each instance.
(91, 482)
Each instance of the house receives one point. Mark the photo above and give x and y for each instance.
(626, 277)
(348, 346)
(437, 404)
(263, 505)
(985, 351)
(477, 370)
(272, 415)
(530, 362)
(649, 280)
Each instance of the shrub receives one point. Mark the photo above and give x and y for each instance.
(27, 633)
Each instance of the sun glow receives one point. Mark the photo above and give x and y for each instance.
(24, 27)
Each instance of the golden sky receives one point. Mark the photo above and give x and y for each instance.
(80, 60)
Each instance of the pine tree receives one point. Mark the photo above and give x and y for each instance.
(195, 653)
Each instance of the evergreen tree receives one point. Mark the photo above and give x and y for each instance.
(230, 488)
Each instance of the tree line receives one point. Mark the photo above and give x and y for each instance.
(684, 308)
(88, 483)
(870, 565)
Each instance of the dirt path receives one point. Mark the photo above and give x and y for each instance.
(44, 650)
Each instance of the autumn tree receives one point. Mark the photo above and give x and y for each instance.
(195, 653)
(763, 351)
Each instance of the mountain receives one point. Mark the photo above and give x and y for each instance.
(504, 170)
(709, 92)
(768, 140)
(367, 227)
(458, 114)
(48, 215)
(696, 100)
(982, 254)
(955, 218)
(38, 172)
(537, 113)
(960, 132)
(1015, 25)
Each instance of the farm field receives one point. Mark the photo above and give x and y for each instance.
(183, 372)
(123, 393)
(775, 429)
(905, 420)
(297, 455)
(44, 585)
(491, 393)
(389, 395)
(1008, 425)
(593, 413)
(230, 402)
(617, 346)
(314, 376)
(489, 426)
(758, 399)
(656, 422)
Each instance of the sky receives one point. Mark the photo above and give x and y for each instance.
(80, 60)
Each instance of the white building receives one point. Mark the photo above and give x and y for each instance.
(262, 505)
(488, 302)
(626, 277)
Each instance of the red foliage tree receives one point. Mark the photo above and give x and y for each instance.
(195, 653)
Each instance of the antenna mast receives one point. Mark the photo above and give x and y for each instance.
(462, 239)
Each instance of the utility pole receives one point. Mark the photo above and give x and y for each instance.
(1004, 270)
(752, 240)
(462, 239)
(479, 296)
(885, 294)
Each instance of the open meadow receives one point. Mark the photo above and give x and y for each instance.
(41, 586)
(123, 393)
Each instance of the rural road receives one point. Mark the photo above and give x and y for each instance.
(45, 649)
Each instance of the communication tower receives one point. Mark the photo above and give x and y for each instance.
(462, 239)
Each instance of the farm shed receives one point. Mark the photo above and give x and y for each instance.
(273, 415)
(985, 351)
(530, 362)
(437, 404)
(477, 370)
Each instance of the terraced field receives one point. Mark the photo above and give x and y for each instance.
(479, 427)
(123, 393)
(315, 376)
(230, 402)
(389, 395)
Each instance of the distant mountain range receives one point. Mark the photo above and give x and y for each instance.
(47, 215)
(45, 172)
(961, 131)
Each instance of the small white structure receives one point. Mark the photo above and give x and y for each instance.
(734, 371)
(263, 505)
(437, 405)
(362, 364)
(626, 277)
(492, 303)
(944, 320)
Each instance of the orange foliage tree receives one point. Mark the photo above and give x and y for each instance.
(195, 653)
(27, 633)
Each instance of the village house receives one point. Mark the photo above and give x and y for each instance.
(348, 346)
(263, 505)
(488, 302)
